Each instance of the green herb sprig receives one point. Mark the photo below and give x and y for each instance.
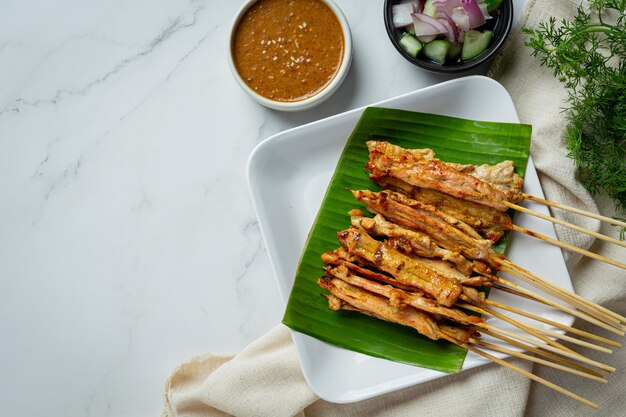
(588, 55)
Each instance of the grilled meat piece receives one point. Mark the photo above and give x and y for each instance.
(406, 270)
(488, 221)
(501, 176)
(379, 307)
(434, 174)
(413, 242)
(425, 221)
(397, 296)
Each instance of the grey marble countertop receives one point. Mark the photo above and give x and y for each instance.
(128, 241)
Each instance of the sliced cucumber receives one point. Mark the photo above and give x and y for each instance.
(454, 52)
(410, 30)
(429, 8)
(437, 50)
(475, 43)
(411, 45)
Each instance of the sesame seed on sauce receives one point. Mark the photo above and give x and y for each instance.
(302, 47)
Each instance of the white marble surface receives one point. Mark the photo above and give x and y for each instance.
(128, 242)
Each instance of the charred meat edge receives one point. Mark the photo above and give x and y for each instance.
(434, 174)
(379, 306)
(425, 221)
(501, 176)
(412, 241)
(406, 270)
(397, 297)
(486, 220)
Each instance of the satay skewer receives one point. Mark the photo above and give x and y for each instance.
(342, 257)
(343, 304)
(419, 168)
(574, 210)
(399, 297)
(333, 257)
(406, 214)
(413, 300)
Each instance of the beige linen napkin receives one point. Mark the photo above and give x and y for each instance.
(265, 378)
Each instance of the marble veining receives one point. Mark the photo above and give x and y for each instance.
(128, 242)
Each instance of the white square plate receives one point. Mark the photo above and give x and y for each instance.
(288, 174)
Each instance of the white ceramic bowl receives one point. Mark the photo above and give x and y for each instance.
(312, 101)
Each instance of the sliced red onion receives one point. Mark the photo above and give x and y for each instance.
(402, 14)
(476, 17)
(461, 18)
(453, 30)
(450, 35)
(427, 25)
(427, 28)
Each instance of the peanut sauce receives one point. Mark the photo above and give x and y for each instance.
(288, 50)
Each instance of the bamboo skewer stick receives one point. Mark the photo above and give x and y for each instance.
(580, 314)
(565, 224)
(540, 361)
(569, 247)
(543, 331)
(553, 323)
(579, 302)
(600, 312)
(570, 339)
(573, 210)
(519, 325)
(548, 347)
(524, 372)
(537, 351)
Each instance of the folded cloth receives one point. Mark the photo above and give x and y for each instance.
(265, 378)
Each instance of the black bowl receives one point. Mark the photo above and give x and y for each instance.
(500, 25)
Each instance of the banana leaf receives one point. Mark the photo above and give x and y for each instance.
(453, 140)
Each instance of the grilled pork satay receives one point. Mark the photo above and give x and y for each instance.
(501, 176)
(342, 257)
(406, 270)
(457, 333)
(380, 307)
(434, 174)
(397, 296)
(419, 243)
(449, 271)
(488, 221)
(436, 227)
(395, 151)
(335, 303)
(451, 220)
